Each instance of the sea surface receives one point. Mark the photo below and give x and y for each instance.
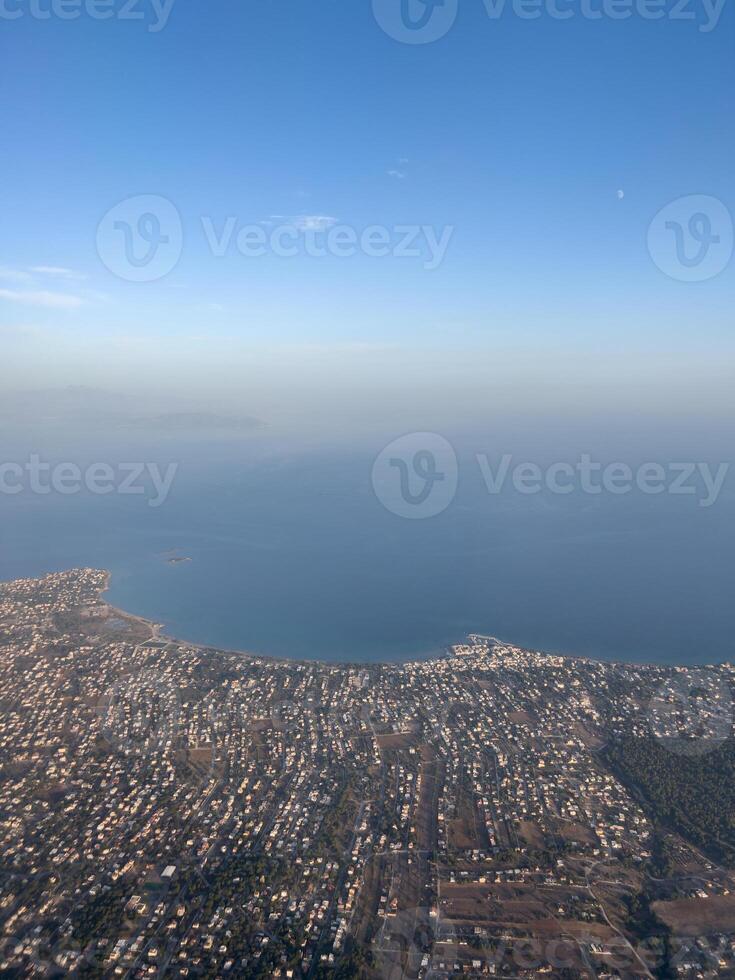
(292, 554)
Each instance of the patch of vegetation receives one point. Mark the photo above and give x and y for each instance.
(695, 795)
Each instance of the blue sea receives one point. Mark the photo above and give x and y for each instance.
(293, 555)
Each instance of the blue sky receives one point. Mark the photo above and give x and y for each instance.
(547, 146)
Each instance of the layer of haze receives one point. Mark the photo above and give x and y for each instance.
(547, 331)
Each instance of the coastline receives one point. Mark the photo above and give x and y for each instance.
(157, 631)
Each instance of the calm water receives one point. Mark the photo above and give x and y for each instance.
(293, 556)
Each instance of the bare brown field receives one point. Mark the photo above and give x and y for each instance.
(396, 741)
(260, 725)
(575, 832)
(432, 776)
(467, 831)
(590, 740)
(521, 927)
(506, 903)
(697, 916)
(531, 833)
(514, 913)
(523, 718)
(367, 902)
(462, 834)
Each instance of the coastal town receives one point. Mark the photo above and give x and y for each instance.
(171, 810)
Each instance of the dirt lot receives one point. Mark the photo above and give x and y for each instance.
(575, 832)
(523, 718)
(397, 741)
(523, 906)
(523, 923)
(467, 831)
(432, 776)
(531, 833)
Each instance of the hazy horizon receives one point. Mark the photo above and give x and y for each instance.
(371, 302)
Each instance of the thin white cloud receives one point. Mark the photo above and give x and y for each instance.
(57, 272)
(306, 222)
(398, 172)
(14, 275)
(42, 297)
